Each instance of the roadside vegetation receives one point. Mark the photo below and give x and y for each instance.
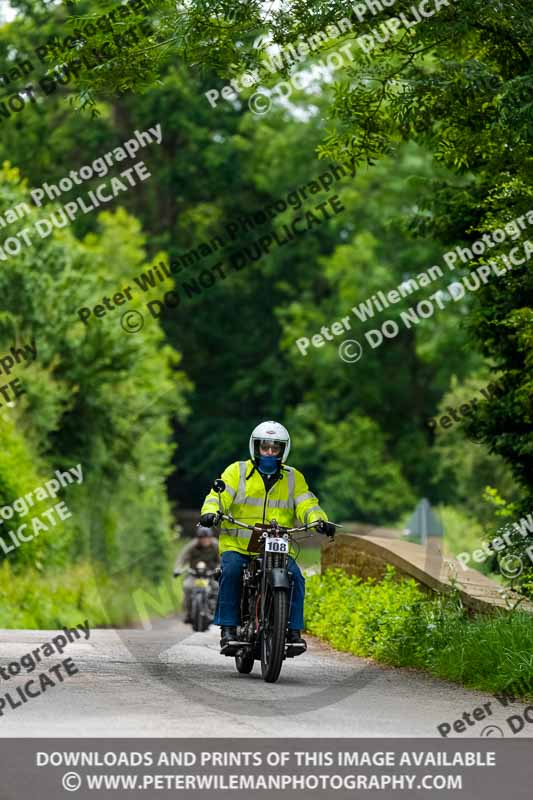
(397, 623)
(438, 128)
(59, 598)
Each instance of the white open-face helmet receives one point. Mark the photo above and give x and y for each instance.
(271, 433)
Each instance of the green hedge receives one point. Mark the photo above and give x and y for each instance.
(395, 622)
(56, 599)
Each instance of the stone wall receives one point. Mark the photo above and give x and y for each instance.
(368, 552)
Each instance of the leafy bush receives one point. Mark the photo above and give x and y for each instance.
(67, 597)
(461, 531)
(464, 466)
(363, 481)
(397, 623)
(94, 396)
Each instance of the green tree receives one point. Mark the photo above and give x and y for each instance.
(95, 395)
(437, 121)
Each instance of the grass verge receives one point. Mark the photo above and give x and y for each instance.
(396, 623)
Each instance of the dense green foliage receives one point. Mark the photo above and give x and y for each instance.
(93, 396)
(397, 623)
(437, 121)
(64, 598)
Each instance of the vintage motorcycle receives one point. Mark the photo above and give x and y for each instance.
(203, 596)
(266, 594)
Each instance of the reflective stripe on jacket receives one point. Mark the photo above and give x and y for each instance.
(246, 499)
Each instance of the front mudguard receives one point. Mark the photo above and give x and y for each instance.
(279, 579)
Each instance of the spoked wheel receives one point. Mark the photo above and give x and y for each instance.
(245, 660)
(273, 636)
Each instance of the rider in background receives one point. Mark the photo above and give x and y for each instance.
(258, 490)
(203, 547)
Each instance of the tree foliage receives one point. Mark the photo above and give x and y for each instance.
(438, 122)
(93, 396)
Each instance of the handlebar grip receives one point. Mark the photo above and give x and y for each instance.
(326, 528)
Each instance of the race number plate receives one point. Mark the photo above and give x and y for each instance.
(201, 582)
(276, 545)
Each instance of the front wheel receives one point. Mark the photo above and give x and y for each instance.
(274, 633)
(200, 616)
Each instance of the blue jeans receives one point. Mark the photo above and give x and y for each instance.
(228, 604)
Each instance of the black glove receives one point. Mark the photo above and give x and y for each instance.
(209, 520)
(177, 573)
(326, 527)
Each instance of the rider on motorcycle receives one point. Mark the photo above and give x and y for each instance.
(260, 489)
(203, 547)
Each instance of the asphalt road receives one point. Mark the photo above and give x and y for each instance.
(170, 682)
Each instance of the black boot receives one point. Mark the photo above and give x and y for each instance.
(293, 637)
(228, 633)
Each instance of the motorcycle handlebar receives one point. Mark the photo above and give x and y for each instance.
(206, 574)
(231, 519)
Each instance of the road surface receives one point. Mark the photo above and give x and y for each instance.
(170, 682)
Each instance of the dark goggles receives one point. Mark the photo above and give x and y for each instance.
(271, 446)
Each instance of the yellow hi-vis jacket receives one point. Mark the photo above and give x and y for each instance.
(246, 499)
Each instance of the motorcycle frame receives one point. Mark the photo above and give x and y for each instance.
(274, 574)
